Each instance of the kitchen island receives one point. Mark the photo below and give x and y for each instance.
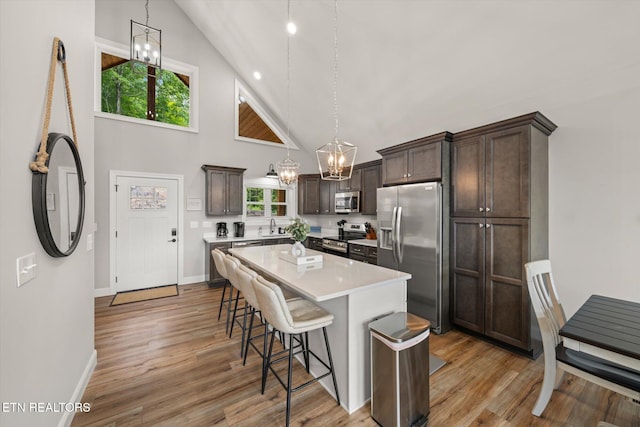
(356, 293)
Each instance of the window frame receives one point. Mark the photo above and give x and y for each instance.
(117, 49)
(268, 184)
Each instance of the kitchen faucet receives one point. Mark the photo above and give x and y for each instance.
(272, 226)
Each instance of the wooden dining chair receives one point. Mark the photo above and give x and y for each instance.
(559, 359)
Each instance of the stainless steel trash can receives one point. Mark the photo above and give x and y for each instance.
(400, 370)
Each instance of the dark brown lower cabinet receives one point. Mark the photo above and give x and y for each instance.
(215, 279)
(489, 286)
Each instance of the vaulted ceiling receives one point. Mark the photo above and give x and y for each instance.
(412, 68)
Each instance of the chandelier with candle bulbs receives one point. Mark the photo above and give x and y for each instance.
(146, 43)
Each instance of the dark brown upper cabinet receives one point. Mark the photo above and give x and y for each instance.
(370, 182)
(352, 184)
(491, 167)
(314, 194)
(420, 160)
(223, 190)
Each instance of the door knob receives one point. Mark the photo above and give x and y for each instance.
(172, 240)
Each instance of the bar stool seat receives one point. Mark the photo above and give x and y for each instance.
(307, 316)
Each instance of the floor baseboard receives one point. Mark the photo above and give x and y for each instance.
(67, 417)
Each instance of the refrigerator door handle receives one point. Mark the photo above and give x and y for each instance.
(393, 234)
(398, 239)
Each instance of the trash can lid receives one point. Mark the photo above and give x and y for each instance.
(399, 327)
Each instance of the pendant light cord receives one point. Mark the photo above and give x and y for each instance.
(146, 7)
(335, 65)
(288, 73)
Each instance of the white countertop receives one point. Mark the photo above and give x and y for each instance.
(365, 242)
(212, 238)
(336, 277)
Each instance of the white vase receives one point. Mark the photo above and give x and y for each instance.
(298, 249)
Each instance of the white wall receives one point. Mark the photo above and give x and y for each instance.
(46, 326)
(135, 147)
(594, 200)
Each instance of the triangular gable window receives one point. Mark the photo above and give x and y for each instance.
(254, 124)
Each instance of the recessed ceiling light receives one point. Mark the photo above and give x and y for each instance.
(257, 75)
(291, 28)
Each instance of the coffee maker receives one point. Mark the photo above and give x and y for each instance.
(238, 229)
(221, 228)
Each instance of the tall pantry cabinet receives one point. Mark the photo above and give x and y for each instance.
(499, 204)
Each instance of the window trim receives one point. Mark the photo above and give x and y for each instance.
(271, 184)
(118, 49)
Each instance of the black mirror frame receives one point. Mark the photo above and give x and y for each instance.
(39, 200)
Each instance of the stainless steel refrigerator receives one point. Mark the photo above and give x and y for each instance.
(412, 238)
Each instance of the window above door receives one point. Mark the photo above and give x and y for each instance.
(164, 98)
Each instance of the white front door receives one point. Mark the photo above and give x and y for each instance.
(146, 232)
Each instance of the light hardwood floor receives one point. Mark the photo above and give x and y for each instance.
(168, 362)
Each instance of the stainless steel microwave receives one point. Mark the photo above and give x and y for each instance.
(348, 202)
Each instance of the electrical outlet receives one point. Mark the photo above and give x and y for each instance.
(193, 224)
(25, 268)
(207, 224)
(89, 242)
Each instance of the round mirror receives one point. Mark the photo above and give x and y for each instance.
(58, 197)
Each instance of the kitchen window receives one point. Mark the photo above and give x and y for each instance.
(163, 98)
(266, 202)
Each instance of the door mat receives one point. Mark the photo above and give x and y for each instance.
(435, 363)
(145, 294)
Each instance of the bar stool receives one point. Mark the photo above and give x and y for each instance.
(232, 264)
(295, 318)
(245, 275)
(218, 260)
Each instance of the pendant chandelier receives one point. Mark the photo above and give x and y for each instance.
(288, 169)
(336, 158)
(146, 43)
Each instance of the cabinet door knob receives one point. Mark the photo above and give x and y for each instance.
(480, 225)
(488, 209)
(481, 209)
(488, 225)
(404, 176)
(409, 175)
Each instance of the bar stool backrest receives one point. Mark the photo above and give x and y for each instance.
(231, 264)
(218, 260)
(245, 276)
(273, 305)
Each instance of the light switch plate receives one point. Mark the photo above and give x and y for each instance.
(89, 242)
(25, 268)
(193, 224)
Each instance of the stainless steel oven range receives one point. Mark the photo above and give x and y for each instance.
(338, 245)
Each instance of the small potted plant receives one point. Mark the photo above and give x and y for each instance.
(298, 230)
